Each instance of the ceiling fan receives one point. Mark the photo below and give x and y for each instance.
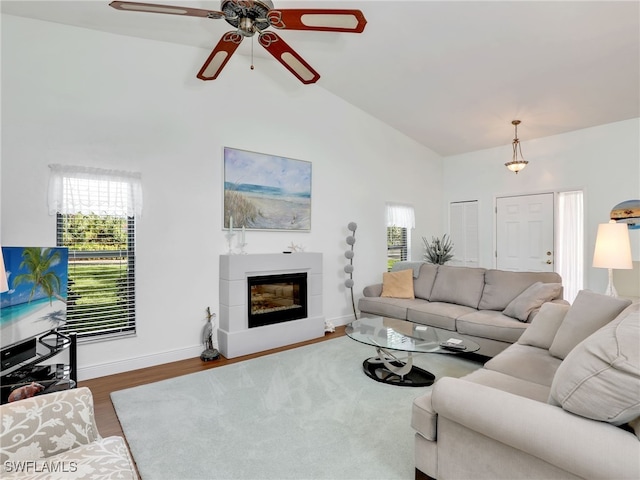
(255, 16)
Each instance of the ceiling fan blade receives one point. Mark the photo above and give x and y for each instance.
(220, 55)
(318, 19)
(288, 57)
(170, 9)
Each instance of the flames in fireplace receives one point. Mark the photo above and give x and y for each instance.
(277, 298)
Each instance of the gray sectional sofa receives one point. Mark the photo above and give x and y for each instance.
(563, 402)
(475, 302)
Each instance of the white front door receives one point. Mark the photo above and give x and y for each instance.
(524, 233)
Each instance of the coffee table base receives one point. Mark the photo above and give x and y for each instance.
(387, 368)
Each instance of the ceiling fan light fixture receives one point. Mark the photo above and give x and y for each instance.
(517, 163)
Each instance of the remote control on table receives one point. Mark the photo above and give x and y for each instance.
(453, 344)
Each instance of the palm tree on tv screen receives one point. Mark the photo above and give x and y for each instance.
(39, 262)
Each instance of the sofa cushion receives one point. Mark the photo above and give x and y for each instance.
(387, 307)
(527, 363)
(501, 287)
(423, 285)
(490, 324)
(544, 326)
(459, 285)
(531, 299)
(436, 314)
(508, 383)
(397, 284)
(600, 378)
(588, 313)
(372, 290)
(104, 458)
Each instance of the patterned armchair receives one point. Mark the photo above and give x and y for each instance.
(55, 436)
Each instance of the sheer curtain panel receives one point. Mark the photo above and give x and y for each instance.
(400, 216)
(86, 190)
(570, 243)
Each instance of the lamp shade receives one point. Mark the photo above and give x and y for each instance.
(613, 249)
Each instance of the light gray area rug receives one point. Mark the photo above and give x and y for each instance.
(306, 413)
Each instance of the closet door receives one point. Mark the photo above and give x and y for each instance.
(463, 228)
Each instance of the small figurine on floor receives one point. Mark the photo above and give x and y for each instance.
(25, 391)
(210, 352)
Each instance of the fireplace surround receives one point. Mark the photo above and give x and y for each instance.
(236, 336)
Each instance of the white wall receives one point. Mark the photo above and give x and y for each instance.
(604, 161)
(81, 97)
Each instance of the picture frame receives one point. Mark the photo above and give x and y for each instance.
(36, 302)
(266, 192)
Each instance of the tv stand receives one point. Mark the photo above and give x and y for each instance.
(58, 376)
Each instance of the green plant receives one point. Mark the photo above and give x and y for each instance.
(438, 250)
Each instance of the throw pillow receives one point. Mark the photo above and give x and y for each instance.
(589, 312)
(532, 298)
(600, 378)
(398, 284)
(544, 326)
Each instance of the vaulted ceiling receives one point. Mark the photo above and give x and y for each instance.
(450, 74)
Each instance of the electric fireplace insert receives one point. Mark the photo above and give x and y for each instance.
(277, 298)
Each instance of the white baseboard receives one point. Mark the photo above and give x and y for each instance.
(151, 360)
(111, 368)
(343, 320)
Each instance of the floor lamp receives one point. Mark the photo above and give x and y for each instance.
(613, 250)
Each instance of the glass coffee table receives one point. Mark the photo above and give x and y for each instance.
(390, 335)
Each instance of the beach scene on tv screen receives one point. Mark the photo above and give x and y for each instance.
(36, 301)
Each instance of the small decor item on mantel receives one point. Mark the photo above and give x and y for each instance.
(439, 250)
(210, 352)
(243, 241)
(351, 240)
(230, 235)
(293, 248)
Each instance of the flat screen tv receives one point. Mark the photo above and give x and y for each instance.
(36, 301)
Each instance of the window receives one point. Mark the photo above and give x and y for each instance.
(400, 218)
(463, 225)
(96, 218)
(397, 247)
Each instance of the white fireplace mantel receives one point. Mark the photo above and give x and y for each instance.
(235, 338)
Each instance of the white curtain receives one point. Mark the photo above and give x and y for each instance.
(399, 215)
(570, 248)
(87, 190)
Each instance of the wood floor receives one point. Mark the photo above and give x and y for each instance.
(102, 387)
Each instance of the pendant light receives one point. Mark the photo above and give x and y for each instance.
(516, 164)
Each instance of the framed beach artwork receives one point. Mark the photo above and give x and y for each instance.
(36, 301)
(266, 192)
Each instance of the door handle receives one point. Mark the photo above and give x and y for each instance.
(549, 262)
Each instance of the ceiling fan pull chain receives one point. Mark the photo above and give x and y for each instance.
(252, 39)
